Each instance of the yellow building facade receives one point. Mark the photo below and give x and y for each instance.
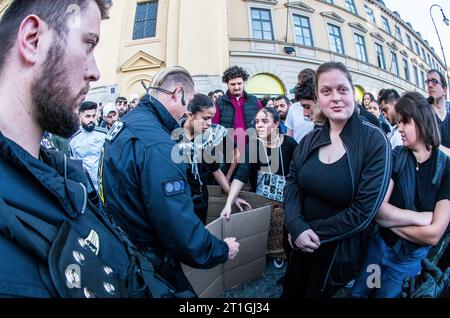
(301, 34)
(272, 39)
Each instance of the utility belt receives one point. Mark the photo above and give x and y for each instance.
(153, 275)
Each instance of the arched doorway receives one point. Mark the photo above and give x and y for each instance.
(264, 84)
(134, 86)
(359, 92)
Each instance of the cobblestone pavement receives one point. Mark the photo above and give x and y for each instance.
(264, 287)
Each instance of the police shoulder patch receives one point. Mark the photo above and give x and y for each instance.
(174, 187)
(115, 130)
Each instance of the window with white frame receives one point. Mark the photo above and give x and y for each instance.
(394, 65)
(303, 34)
(351, 6)
(262, 24)
(398, 34)
(386, 26)
(370, 14)
(417, 48)
(145, 20)
(336, 44)
(380, 56)
(422, 77)
(406, 69)
(361, 52)
(409, 41)
(416, 74)
(424, 56)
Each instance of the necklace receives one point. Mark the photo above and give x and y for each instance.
(424, 158)
(267, 144)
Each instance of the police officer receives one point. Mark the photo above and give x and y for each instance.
(53, 241)
(147, 192)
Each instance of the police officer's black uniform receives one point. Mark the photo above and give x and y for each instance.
(148, 195)
(52, 242)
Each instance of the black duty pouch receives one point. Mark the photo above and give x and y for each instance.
(77, 272)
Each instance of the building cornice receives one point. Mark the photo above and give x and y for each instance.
(141, 61)
(332, 15)
(377, 36)
(392, 45)
(358, 26)
(300, 6)
(272, 2)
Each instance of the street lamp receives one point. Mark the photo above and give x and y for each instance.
(444, 18)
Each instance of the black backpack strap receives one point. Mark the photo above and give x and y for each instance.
(440, 168)
(400, 156)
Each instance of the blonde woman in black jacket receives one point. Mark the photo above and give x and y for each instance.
(337, 181)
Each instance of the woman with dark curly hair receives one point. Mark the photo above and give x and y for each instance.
(236, 109)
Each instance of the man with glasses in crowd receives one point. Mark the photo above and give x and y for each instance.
(437, 88)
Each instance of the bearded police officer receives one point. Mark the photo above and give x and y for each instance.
(54, 242)
(147, 192)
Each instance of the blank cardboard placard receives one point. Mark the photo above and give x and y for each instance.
(251, 229)
(204, 280)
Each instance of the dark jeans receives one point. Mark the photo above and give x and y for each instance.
(394, 263)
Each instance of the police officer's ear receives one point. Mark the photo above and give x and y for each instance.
(182, 98)
(178, 93)
(32, 36)
(183, 102)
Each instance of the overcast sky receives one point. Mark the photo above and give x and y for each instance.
(417, 12)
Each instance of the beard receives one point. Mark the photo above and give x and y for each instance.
(89, 127)
(52, 96)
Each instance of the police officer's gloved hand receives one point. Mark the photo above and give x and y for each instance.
(409, 283)
(429, 284)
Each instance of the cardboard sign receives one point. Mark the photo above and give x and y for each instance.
(251, 230)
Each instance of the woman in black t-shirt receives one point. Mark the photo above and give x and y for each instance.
(199, 153)
(416, 210)
(266, 163)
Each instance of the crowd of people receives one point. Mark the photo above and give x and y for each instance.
(118, 193)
